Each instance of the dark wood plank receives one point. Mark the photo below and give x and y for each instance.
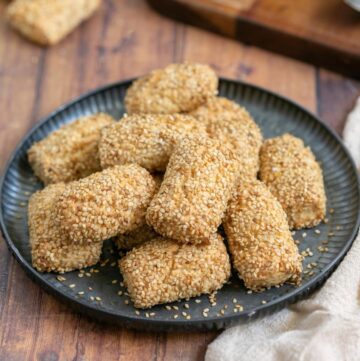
(323, 32)
(336, 98)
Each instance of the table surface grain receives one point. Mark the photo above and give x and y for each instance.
(124, 39)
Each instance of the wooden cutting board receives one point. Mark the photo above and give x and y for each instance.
(325, 33)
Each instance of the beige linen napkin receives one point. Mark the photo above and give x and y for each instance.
(325, 327)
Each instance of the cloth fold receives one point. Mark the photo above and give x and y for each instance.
(324, 327)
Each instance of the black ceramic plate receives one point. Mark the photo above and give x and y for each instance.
(104, 296)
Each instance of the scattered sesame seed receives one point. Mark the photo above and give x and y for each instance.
(186, 305)
(176, 316)
(152, 313)
(137, 312)
(197, 301)
(80, 275)
(72, 285)
(60, 278)
(184, 314)
(126, 302)
(175, 308)
(263, 302)
(81, 293)
(331, 210)
(304, 234)
(92, 298)
(114, 281)
(188, 317)
(317, 231)
(97, 298)
(168, 308)
(120, 293)
(90, 288)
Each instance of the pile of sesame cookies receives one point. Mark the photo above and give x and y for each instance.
(160, 183)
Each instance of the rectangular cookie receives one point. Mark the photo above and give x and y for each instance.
(295, 178)
(48, 21)
(260, 243)
(71, 152)
(163, 270)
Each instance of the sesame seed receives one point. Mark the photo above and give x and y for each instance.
(188, 317)
(81, 293)
(137, 312)
(120, 293)
(72, 285)
(114, 281)
(97, 298)
(304, 234)
(186, 305)
(317, 231)
(126, 302)
(80, 275)
(92, 298)
(60, 278)
(263, 302)
(176, 316)
(168, 308)
(197, 301)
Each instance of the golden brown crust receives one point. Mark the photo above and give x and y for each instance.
(193, 196)
(231, 124)
(51, 251)
(163, 270)
(295, 178)
(260, 242)
(48, 21)
(105, 204)
(145, 139)
(174, 89)
(70, 152)
(143, 232)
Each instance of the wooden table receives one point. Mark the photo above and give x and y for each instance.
(124, 39)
